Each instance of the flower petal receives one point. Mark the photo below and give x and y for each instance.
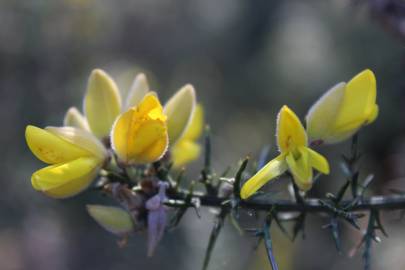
(179, 110)
(140, 134)
(322, 115)
(102, 103)
(73, 118)
(300, 169)
(271, 170)
(290, 132)
(81, 138)
(318, 161)
(112, 219)
(138, 91)
(195, 128)
(184, 151)
(358, 103)
(50, 148)
(66, 179)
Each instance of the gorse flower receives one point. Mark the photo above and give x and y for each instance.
(140, 134)
(187, 149)
(102, 105)
(75, 155)
(343, 110)
(295, 156)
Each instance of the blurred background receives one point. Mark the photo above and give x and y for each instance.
(246, 59)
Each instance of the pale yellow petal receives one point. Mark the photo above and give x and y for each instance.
(66, 179)
(373, 115)
(184, 151)
(179, 110)
(318, 161)
(290, 132)
(271, 170)
(358, 103)
(112, 219)
(50, 148)
(195, 128)
(73, 118)
(322, 115)
(81, 138)
(102, 103)
(299, 166)
(138, 91)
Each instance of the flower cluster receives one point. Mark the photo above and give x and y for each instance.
(118, 138)
(335, 117)
(124, 144)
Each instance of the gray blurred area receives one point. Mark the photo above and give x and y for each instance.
(246, 59)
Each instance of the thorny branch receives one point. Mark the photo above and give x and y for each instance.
(389, 202)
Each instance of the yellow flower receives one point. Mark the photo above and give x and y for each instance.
(75, 157)
(102, 106)
(139, 135)
(343, 110)
(187, 149)
(294, 156)
(102, 103)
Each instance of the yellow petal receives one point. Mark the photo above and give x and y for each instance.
(300, 168)
(102, 103)
(140, 134)
(290, 132)
(318, 161)
(66, 179)
(336, 117)
(179, 110)
(359, 100)
(81, 138)
(73, 118)
(271, 170)
(322, 115)
(50, 148)
(184, 152)
(195, 128)
(138, 91)
(373, 115)
(112, 219)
